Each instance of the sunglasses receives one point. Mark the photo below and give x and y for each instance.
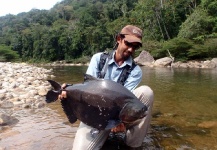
(133, 46)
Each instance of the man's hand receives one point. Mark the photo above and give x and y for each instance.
(119, 128)
(63, 94)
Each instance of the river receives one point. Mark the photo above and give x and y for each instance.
(184, 113)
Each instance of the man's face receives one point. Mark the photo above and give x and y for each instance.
(127, 49)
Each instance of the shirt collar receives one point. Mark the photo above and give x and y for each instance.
(129, 61)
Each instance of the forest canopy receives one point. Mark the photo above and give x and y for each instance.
(76, 29)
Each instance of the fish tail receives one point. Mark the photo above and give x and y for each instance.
(55, 85)
(53, 95)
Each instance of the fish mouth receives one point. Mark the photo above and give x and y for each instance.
(134, 117)
(131, 119)
(130, 122)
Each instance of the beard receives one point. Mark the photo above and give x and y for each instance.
(126, 55)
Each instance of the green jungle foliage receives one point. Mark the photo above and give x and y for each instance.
(6, 54)
(178, 47)
(73, 30)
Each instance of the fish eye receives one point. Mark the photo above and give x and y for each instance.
(144, 109)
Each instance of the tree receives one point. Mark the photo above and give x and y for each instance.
(198, 23)
(76, 28)
(6, 54)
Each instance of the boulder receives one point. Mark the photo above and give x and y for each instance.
(144, 59)
(214, 60)
(208, 64)
(163, 62)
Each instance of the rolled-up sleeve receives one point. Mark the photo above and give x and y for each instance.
(134, 78)
(93, 66)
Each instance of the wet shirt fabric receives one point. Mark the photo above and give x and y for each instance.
(114, 71)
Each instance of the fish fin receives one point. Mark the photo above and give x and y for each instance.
(68, 111)
(94, 132)
(112, 123)
(51, 96)
(88, 77)
(55, 85)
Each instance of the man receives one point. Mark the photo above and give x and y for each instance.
(127, 41)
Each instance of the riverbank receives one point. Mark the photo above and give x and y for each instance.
(61, 63)
(22, 86)
(145, 59)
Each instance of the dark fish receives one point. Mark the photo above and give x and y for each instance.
(99, 103)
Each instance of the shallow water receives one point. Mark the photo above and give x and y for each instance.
(185, 107)
(184, 113)
(44, 129)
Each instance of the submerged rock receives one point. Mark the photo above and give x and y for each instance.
(7, 120)
(208, 124)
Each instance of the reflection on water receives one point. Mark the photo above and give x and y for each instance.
(184, 113)
(185, 108)
(69, 74)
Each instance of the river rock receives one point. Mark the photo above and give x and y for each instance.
(214, 60)
(183, 65)
(208, 64)
(208, 124)
(7, 104)
(13, 85)
(144, 59)
(2, 97)
(24, 96)
(26, 106)
(33, 92)
(194, 64)
(21, 79)
(4, 119)
(15, 99)
(40, 104)
(176, 64)
(163, 62)
(22, 84)
(18, 103)
(36, 83)
(5, 84)
(2, 91)
(42, 91)
(31, 79)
